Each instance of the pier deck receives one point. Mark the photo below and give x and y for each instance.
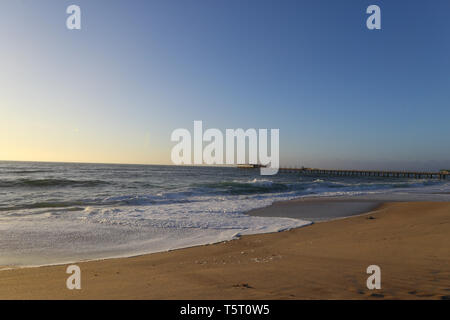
(365, 173)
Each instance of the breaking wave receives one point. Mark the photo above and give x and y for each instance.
(50, 183)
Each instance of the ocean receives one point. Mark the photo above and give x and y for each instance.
(52, 213)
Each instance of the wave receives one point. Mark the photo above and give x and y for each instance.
(125, 200)
(42, 205)
(142, 200)
(26, 171)
(50, 183)
(303, 187)
(245, 187)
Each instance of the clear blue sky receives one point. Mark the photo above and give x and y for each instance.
(341, 95)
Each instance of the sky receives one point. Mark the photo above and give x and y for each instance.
(342, 96)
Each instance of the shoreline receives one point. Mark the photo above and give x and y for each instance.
(347, 210)
(323, 261)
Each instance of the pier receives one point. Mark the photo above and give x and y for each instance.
(443, 174)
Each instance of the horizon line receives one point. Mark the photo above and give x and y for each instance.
(122, 163)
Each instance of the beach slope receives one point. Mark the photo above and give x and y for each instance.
(409, 241)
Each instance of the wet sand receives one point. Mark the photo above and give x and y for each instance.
(317, 209)
(326, 260)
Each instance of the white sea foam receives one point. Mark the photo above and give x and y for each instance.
(105, 232)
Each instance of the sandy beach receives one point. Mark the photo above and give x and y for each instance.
(326, 260)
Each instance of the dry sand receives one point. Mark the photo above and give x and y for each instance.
(409, 241)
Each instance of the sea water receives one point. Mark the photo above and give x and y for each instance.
(54, 213)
